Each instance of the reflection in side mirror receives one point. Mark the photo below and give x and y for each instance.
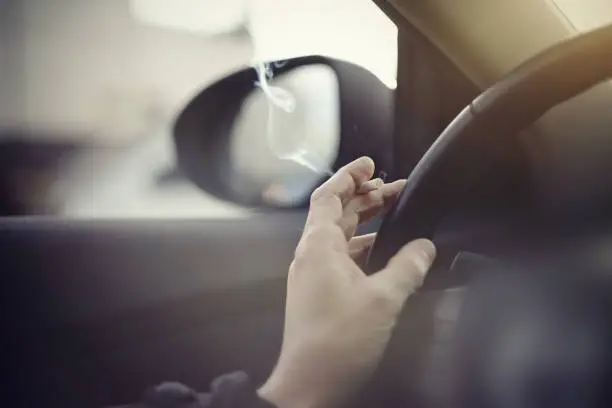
(263, 135)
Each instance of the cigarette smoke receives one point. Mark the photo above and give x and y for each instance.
(283, 102)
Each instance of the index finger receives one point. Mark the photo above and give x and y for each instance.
(327, 201)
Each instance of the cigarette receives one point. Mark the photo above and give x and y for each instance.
(371, 185)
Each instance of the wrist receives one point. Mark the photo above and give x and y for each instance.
(309, 377)
(285, 392)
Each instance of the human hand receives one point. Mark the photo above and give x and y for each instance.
(338, 320)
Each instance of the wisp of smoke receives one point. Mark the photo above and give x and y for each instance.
(282, 101)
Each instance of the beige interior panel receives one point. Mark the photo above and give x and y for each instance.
(487, 38)
(586, 14)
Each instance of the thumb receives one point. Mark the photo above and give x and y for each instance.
(406, 271)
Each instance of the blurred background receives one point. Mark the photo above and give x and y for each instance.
(91, 91)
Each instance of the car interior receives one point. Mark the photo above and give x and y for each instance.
(500, 122)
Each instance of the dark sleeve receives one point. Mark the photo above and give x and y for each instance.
(233, 390)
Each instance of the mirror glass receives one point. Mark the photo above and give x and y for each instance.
(278, 156)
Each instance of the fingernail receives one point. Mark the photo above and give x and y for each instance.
(367, 164)
(365, 160)
(427, 251)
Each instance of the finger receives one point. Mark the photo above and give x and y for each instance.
(367, 206)
(406, 271)
(327, 201)
(370, 186)
(388, 195)
(394, 189)
(352, 214)
(379, 198)
(361, 244)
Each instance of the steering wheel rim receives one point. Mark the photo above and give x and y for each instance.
(466, 147)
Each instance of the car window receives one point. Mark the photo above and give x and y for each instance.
(90, 90)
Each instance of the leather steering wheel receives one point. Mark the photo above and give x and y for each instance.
(481, 131)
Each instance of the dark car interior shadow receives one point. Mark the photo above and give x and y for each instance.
(27, 169)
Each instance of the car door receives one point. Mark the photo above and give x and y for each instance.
(96, 310)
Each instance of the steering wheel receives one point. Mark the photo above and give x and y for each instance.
(476, 137)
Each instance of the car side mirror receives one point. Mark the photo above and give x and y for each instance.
(234, 145)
